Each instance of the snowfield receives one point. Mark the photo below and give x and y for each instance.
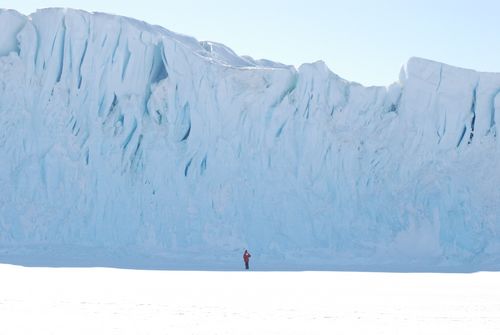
(113, 301)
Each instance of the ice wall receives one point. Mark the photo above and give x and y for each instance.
(118, 135)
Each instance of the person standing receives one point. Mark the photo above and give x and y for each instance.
(246, 258)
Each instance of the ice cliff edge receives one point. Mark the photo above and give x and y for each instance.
(115, 134)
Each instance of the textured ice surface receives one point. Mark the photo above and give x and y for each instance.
(120, 136)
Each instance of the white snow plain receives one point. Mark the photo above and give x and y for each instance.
(116, 301)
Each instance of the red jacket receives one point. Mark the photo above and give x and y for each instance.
(246, 256)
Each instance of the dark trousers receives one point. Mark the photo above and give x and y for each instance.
(246, 265)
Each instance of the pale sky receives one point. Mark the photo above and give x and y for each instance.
(361, 40)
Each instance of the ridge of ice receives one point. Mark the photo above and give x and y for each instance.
(119, 135)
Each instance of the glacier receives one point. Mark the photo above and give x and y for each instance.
(122, 138)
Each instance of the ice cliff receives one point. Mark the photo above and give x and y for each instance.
(118, 135)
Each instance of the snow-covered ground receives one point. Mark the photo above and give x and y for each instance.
(112, 301)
